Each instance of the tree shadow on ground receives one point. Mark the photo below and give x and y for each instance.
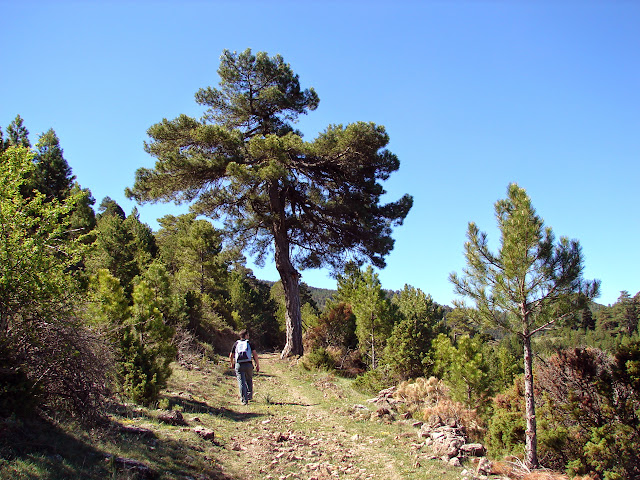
(63, 451)
(197, 407)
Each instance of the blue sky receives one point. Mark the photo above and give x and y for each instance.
(474, 95)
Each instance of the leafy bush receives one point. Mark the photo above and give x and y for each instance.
(146, 348)
(49, 359)
(506, 430)
(373, 381)
(318, 358)
(335, 328)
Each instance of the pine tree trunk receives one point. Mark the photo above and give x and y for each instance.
(293, 316)
(290, 281)
(531, 435)
(374, 360)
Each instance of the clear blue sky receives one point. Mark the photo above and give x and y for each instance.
(474, 95)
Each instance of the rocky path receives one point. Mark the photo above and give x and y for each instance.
(307, 427)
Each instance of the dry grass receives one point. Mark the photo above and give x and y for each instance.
(430, 400)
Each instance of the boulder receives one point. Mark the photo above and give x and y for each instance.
(473, 450)
(172, 418)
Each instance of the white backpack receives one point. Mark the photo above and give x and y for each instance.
(243, 351)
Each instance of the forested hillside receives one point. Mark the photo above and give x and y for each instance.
(97, 309)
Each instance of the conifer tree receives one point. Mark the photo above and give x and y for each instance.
(17, 134)
(374, 318)
(528, 287)
(408, 349)
(54, 177)
(312, 204)
(115, 247)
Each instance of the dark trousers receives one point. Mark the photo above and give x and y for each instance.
(244, 374)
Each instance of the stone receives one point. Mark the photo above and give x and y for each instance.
(455, 462)
(473, 450)
(135, 430)
(484, 466)
(138, 468)
(205, 433)
(172, 418)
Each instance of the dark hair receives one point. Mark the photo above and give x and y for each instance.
(243, 333)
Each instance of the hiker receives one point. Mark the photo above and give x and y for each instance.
(241, 358)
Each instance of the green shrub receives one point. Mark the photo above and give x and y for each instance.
(590, 400)
(373, 381)
(505, 435)
(318, 358)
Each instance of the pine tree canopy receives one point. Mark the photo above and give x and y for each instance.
(244, 163)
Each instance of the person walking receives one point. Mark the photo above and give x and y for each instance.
(242, 357)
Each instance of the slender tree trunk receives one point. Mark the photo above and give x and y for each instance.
(531, 440)
(290, 279)
(374, 360)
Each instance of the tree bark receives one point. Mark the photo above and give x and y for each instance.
(290, 279)
(531, 434)
(293, 316)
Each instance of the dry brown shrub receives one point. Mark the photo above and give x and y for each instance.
(545, 475)
(515, 470)
(422, 392)
(190, 349)
(431, 398)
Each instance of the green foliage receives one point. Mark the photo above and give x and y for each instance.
(192, 250)
(254, 308)
(503, 365)
(465, 369)
(408, 349)
(115, 247)
(41, 340)
(593, 400)
(138, 333)
(146, 347)
(17, 134)
(373, 381)
(107, 305)
(53, 174)
(551, 274)
(318, 359)
(506, 432)
(374, 315)
(530, 285)
(144, 242)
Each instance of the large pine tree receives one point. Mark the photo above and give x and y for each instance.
(312, 204)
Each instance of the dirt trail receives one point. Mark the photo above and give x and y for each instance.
(297, 429)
